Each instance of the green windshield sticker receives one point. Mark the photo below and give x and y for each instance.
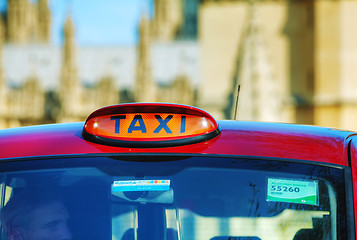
(292, 191)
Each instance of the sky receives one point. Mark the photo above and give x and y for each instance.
(97, 22)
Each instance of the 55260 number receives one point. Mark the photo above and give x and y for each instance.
(284, 189)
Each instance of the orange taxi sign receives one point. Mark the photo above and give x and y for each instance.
(149, 125)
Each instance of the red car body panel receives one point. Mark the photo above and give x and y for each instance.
(276, 140)
(353, 160)
(236, 138)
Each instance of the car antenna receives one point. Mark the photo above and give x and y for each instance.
(236, 104)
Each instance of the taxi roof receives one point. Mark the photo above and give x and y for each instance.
(258, 139)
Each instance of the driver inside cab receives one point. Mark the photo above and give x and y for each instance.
(35, 215)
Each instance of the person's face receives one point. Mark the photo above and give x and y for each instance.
(48, 223)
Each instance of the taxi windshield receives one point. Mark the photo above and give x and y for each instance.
(173, 197)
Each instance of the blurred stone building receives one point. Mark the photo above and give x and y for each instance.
(42, 83)
(294, 61)
(28, 22)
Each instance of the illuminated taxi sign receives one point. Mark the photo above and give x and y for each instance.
(149, 125)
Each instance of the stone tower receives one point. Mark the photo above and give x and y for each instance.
(168, 19)
(144, 86)
(69, 89)
(259, 99)
(18, 21)
(44, 21)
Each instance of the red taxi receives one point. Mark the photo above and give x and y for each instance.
(168, 171)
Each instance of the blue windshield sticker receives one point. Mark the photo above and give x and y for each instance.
(141, 185)
(293, 191)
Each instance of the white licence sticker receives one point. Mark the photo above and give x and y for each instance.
(292, 191)
(141, 185)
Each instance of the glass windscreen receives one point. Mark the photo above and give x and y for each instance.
(168, 197)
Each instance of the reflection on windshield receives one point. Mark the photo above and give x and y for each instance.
(184, 202)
